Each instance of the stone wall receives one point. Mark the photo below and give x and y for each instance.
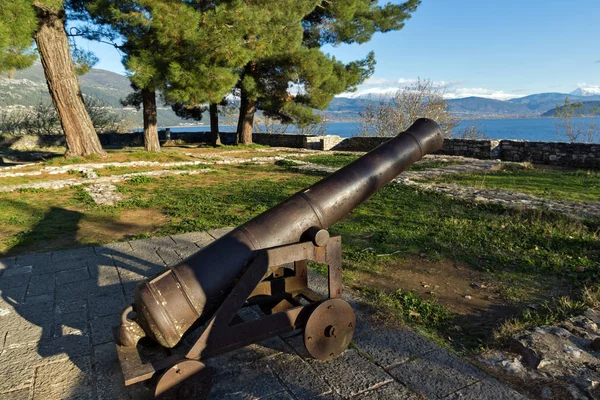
(583, 155)
(580, 155)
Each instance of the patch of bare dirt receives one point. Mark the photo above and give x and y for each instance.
(128, 223)
(459, 288)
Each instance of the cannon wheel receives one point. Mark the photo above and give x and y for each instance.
(329, 329)
(187, 379)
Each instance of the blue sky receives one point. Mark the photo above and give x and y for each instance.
(488, 48)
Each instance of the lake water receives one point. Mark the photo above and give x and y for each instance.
(533, 129)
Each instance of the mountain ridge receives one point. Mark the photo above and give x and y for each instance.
(28, 88)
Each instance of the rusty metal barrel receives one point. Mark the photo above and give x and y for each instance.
(167, 305)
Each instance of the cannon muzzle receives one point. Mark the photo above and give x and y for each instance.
(167, 305)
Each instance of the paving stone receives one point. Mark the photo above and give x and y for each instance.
(69, 379)
(13, 294)
(250, 381)
(169, 256)
(67, 306)
(18, 365)
(217, 233)
(73, 254)
(84, 289)
(67, 265)
(112, 248)
(25, 332)
(41, 284)
(10, 262)
(17, 271)
(389, 346)
(437, 374)
(102, 328)
(150, 245)
(39, 260)
(487, 389)
(253, 352)
(389, 391)
(109, 379)
(72, 345)
(297, 343)
(142, 265)
(350, 373)
(15, 395)
(185, 252)
(298, 376)
(40, 298)
(105, 275)
(200, 238)
(74, 275)
(278, 396)
(74, 323)
(9, 282)
(102, 306)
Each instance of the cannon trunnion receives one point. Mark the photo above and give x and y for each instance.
(191, 312)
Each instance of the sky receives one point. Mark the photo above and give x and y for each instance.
(486, 48)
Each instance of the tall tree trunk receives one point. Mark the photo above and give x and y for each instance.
(247, 110)
(63, 85)
(214, 123)
(150, 125)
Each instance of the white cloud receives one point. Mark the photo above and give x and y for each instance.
(384, 87)
(587, 89)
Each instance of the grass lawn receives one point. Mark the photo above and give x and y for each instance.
(559, 184)
(450, 268)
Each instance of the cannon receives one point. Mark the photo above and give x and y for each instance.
(191, 312)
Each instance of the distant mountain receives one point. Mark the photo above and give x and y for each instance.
(587, 108)
(586, 92)
(481, 107)
(543, 102)
(28, 88)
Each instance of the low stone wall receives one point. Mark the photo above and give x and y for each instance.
(585, 155)
(580, 155)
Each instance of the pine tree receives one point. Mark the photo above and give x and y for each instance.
(17, 24)
(318, 77)
(61, 77)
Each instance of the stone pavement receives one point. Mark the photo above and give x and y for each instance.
(57, 310)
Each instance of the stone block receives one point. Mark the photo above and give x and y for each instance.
(74, 275)
(38, 260)
(298, 376)
(6, 263)
(13, 281)
(22, 394)
(185, 239)
(84, 289)
(391, 346)
(17, 271)
(81, 253)
(169, 256)
(74, 323)
(101, 306)
(389, 391)
(217, 233)
(41, 284)
(15, 293)
(18, 364)
(250, 353)
(487, 389)
(69, 379)
(105, 275)
(248, 381)
(113, 248)
(102, 328)
(150, 245)
(437, 374)
(67, 346)
(109, 379)
(350, 373)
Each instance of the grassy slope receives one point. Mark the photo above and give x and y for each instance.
(570, 185)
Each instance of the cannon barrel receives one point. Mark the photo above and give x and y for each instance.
(167, 305)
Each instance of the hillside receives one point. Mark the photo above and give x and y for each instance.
(28, 88)
(470, 107)
(588, 108)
